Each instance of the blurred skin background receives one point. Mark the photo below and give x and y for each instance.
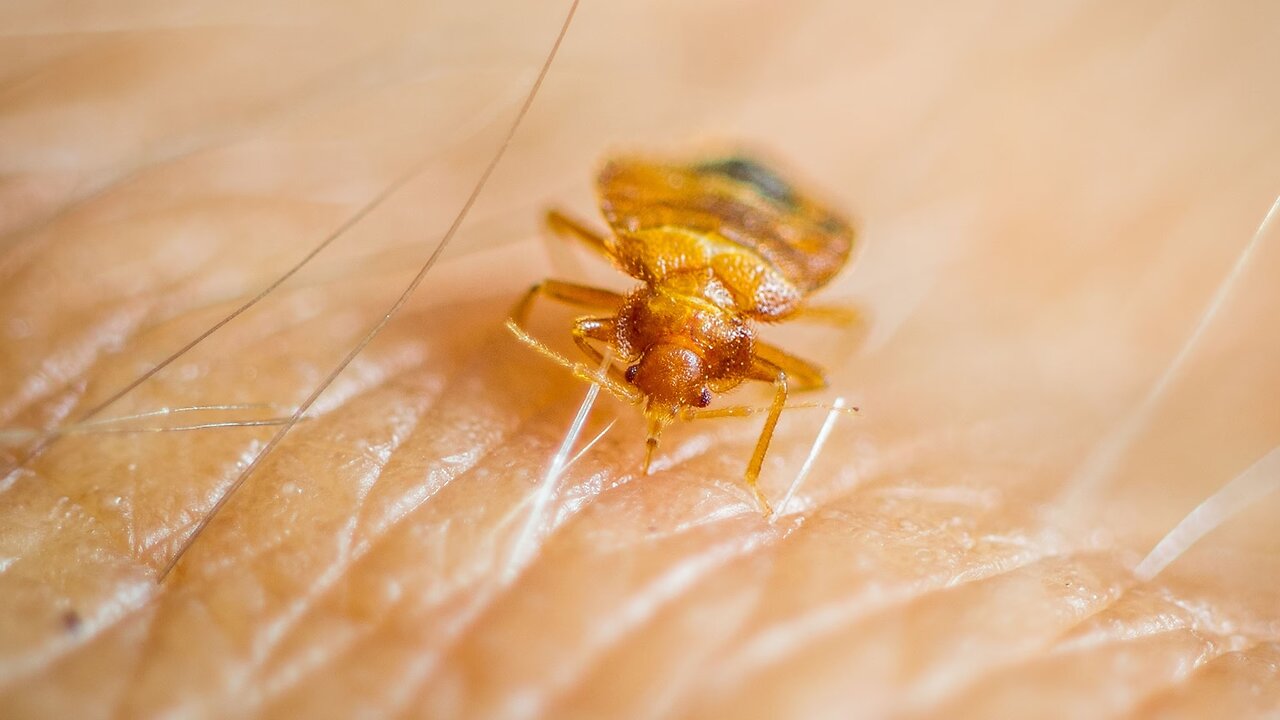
(1048, 197)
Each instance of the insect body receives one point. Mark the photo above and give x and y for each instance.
(717, 246)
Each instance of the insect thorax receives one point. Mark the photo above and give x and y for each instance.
(653, 316)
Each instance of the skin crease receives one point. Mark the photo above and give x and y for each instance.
(1047, 199)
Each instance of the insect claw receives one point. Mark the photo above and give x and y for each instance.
(765, 508)
(651, 444)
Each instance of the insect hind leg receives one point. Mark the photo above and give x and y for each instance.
(845, 317)
(565, 226)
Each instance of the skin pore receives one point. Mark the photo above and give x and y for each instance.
(1046, 203)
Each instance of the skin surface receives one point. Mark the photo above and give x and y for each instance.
(1047, 199)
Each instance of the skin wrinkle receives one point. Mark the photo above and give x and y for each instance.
(1183, 619)
(276, 110)
(337, 571)
(118, 559)
(730, 550)
(84, 350)
(384, 534)
(353, 390)
(1010, 671)
(679, 695)
(650, 600)
(920, 680)
(408, 289)
(84, 638)
(1212, 647)
(360, 390)
(1173, 689)
(351, 220)
(370, 632)
(989, 674)
(1020, 467)
(1205, 660)
(501, 593)
(42, 444)
(1026, 555)
(385, 529)
(840, 615)
(136, 333)
(133, 328)
(490, 595)
(59, 651)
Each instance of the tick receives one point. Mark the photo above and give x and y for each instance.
(718, 246)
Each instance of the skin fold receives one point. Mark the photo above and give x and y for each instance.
(1047, 199)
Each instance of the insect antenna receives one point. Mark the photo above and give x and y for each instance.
(749, 410)
(391, 311)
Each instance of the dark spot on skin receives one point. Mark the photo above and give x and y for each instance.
(631, 373)
(705, 398)
(759, 177)
(71, 621)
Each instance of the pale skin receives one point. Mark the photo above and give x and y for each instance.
(1031, 280)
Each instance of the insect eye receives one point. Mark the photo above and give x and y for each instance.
(631, 373)
(705, 398)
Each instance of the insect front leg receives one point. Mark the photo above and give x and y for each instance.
(766, 371)
(580, 370)
(602, 330)
(772, 364)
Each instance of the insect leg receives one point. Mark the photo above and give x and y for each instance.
(565, 226)
(568, 293)
(841, 316)
(803, 374)
(762, 369)
(580, 370)
(601, 329)
(785, 371)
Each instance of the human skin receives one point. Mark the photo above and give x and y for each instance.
(1046, 201)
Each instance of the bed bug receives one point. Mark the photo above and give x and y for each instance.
(717, 245)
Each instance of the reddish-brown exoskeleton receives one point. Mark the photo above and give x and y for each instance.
(717, 245)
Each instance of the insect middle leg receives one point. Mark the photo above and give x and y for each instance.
(569, 294)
